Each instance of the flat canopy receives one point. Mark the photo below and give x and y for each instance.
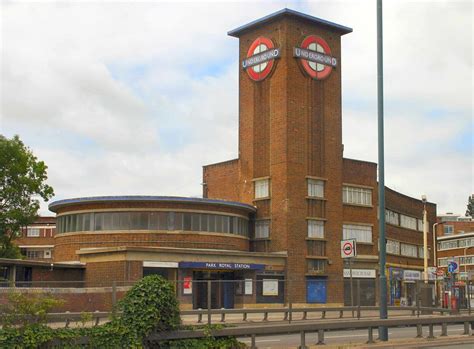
(289, 13)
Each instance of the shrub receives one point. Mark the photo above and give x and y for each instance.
(149, 306)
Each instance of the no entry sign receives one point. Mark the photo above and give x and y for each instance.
(260, 58)
(348, 248)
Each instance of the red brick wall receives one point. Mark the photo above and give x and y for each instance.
(68, 244)
(104, 273)
(222, 180)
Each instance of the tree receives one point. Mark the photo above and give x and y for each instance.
(22, 183)
(470, 206)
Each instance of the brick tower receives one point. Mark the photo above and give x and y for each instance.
(290, 142)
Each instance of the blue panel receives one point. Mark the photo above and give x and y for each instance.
(316, 291)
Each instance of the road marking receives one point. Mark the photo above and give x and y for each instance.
(262, 340)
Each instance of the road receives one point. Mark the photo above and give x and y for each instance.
(350, 337)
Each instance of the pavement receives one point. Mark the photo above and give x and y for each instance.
(297, 317)
(357, 339)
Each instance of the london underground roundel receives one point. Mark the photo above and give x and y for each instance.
(315, 56)
(260, 58)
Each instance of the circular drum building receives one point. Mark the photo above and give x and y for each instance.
(122, 238)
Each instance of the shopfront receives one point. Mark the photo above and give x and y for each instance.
(225, 281)
(362, 289)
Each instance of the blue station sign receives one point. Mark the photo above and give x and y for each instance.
(217, 265)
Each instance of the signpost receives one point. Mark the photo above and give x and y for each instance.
(453, 267)
(349, 251)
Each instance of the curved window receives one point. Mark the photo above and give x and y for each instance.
(153, 221)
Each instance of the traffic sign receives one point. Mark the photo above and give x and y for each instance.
(348, 248)
(453, 267)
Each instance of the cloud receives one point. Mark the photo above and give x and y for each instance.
(133, 98)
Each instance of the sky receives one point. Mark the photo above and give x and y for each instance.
(123, 98)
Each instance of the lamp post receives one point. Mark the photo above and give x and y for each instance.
(468, 294)
(425, 240)
(435, 257)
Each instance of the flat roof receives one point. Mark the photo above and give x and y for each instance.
(34, 263)
(289, 13)
(54, 206)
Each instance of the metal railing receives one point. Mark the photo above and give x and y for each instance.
(287, 314)
(320, 328)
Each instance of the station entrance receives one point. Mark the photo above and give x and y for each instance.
(222, 289)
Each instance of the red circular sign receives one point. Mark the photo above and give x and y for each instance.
(316, 70)
(260, 71)
(347, 248)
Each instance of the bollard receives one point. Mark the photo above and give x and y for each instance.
(371, 336)
(444, 329)
(265, 316)
(419, 331)
(223, 315)
(199, 316)
(303, 341)
(320, 337)
(466, 328)
(67, 319)
(253, 345)
(430, 333)
(97, 318)
(323, 314)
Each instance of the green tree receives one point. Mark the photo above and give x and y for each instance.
(22, 183)
(470, 206)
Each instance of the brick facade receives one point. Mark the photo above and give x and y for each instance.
(290, 129)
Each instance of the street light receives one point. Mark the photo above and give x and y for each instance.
(425, 240)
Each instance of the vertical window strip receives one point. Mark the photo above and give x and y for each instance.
(315, 229)
(362, 233)
(262, 189)
(315, 188)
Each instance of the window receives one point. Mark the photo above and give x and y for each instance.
(356, 195)
(420, 224)
(391, 217)
(316, 248)
(442, 262)
(444, 245)
(315, 229)
(262, 229)
(421, 252)
(32, 232)
(33, 254)
(262, 188)
(153, 221)
(407, 222)
(362, 233)
(315, 188)
(448, 229)
(316, 265)
(466, 242)
(393, 247)
(409, 250)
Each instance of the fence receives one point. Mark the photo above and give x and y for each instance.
(261, 291)
(309, 327)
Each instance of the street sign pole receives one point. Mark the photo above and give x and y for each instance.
(352, 289)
